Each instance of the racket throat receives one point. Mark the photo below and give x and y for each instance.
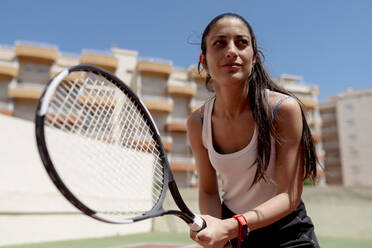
(186, 214)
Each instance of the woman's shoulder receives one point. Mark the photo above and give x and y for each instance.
(195, 120)
(285, 108)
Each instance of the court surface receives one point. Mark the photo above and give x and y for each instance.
(168, 240)
(149, 245)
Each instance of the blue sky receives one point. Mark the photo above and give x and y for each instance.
(328, 43)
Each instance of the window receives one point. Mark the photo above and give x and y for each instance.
(355, 169)
(352, 137)
(353, 153)
(348, 107)
(29, 68)
(43, 70)
(350, 123)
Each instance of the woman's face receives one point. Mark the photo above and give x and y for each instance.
(229, 54)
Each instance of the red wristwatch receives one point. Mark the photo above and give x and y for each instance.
(243, 228)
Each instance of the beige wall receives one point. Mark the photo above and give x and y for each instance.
(330, 208)
(4, 82)
(127, 62)
(25, 109)
(153, 86)
(180, 145)
(180, 107)
(354, 118)
(26, 190)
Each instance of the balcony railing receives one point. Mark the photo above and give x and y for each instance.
(154, 66)
(176, 124)
(25, 90)
(40, 52)
(194, 74)
(35, 44)
(309, 102)
(100, 58)
(195, 104)
(167, 142)
(181, 163)
(9, 68)
(182, 88)
(158, 103)
(6, 105)
(6, 108)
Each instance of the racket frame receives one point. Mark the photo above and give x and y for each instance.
(195, 221)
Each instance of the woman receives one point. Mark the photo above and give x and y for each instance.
(254, 135)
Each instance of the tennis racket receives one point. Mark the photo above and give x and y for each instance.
(102, 150)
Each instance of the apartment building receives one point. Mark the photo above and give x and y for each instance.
(169, 93)
(308, 95)
(347, 138)
(26, 68)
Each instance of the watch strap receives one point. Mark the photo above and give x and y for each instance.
(243, 228)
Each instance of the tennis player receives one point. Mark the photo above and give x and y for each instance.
(254, 135)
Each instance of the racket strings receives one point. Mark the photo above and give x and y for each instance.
(109, 145)
(92, 136)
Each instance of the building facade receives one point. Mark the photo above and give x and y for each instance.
(169, 93)
(347, 138)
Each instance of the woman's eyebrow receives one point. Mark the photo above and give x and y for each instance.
(217, 36)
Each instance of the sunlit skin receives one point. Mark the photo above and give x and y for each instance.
(229, 59)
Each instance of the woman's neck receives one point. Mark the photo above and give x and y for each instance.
(231, 100)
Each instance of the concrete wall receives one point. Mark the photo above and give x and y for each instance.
(336, 211)
(31, 209)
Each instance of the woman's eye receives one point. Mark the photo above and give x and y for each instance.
(219, 43)
(243, 42)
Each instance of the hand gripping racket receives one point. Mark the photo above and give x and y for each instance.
(102, 150)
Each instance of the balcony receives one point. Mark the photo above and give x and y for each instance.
(176, 125)
(154, 67)
(37, 52)
(309, 102)
(100, 59)
(158, 103)
(180, 163)
(316, 138)
(72, 77)
(28, 91)
(195, 104)
(167, 143)
(6, 108)
(8, 69)
(329, 137)
(194, 75)
(180, 88)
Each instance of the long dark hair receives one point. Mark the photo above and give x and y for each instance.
(259, 81)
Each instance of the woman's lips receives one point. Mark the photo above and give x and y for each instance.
(232, 65)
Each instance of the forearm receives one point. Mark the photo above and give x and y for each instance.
(210, 204)
(271, 211)
(265, 214)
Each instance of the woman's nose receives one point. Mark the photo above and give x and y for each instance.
(231, 51)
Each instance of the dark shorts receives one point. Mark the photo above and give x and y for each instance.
(295, 230)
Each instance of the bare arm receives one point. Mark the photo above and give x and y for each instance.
(288, 122)
(209, 200)
(289, 171)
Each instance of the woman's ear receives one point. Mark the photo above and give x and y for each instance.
(254, 60)
(203, 61)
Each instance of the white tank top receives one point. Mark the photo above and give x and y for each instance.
(236, 170)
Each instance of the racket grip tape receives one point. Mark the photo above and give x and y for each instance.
(198, 224)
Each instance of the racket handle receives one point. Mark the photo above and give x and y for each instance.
(198, 224)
